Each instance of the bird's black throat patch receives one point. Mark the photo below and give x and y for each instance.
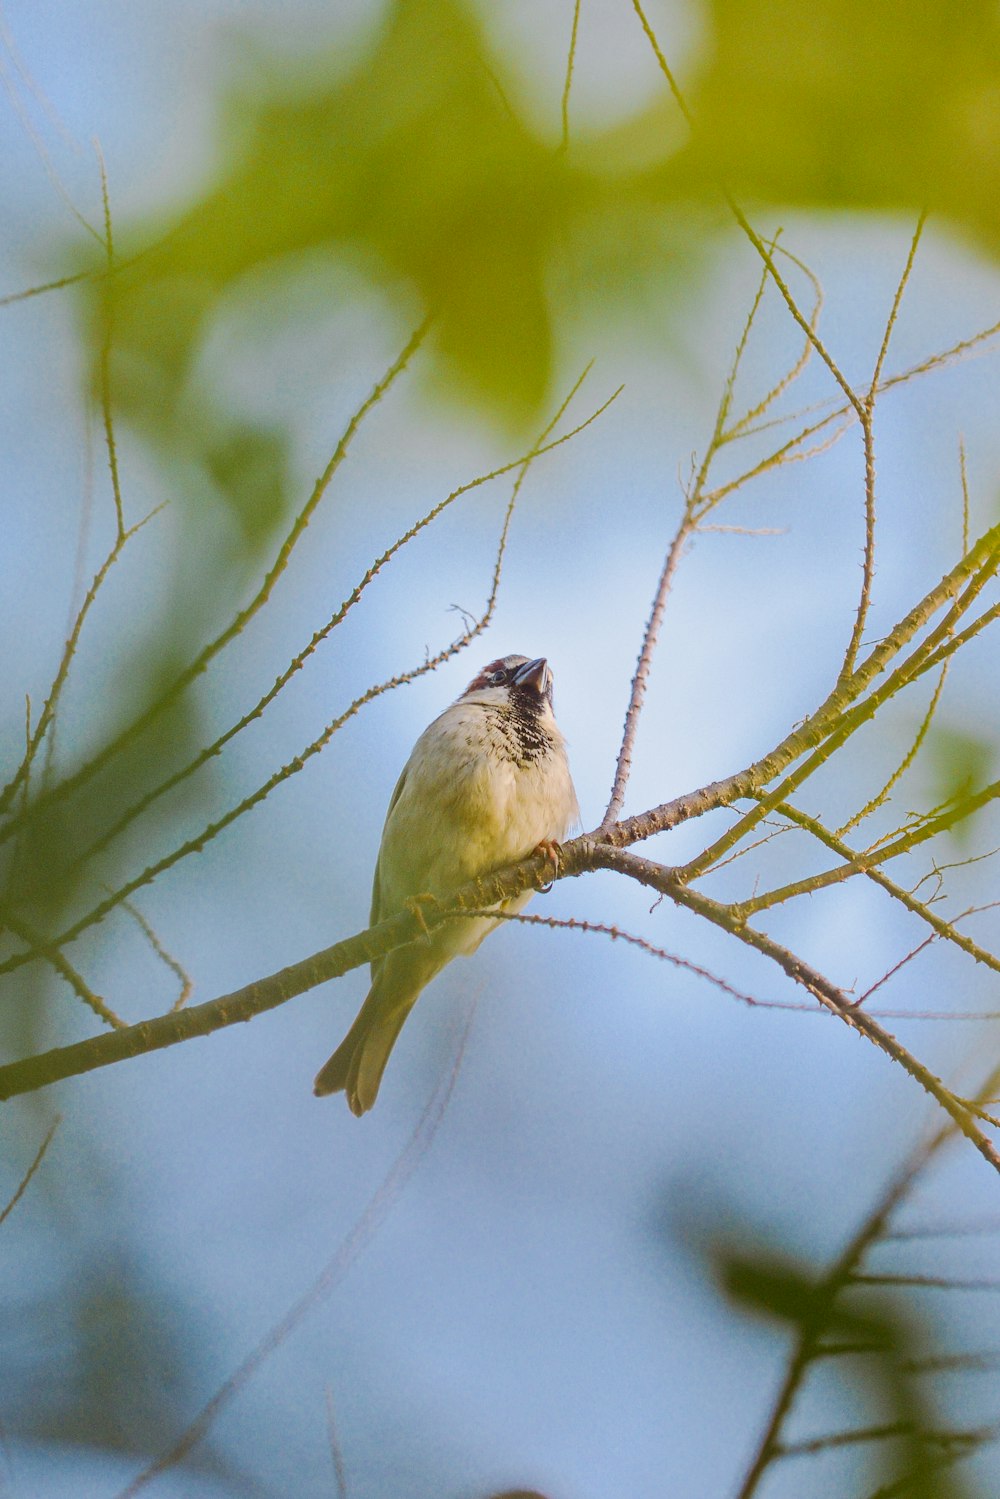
(522, 733)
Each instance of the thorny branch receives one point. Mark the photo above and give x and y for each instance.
(699, 503)
(196, 843)
(890, 666)
(199, 664)
(520, 465)
(939, 625)
(581, 855)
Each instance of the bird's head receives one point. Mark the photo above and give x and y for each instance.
(525, 682)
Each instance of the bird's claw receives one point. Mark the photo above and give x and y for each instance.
(548, 849)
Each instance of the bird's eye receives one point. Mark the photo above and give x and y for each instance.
(497, 678)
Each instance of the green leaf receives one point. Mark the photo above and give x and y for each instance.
(960, 767)
(884, 104)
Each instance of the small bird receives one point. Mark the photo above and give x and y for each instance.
(487, 784)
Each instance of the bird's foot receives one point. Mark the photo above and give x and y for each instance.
(415, 904)
(548, 849)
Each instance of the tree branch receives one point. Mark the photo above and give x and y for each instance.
(588, 852)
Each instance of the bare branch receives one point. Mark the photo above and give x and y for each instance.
(347, 1252)
(26, 1178)
(40, 946)
(244, 615)
(567, 86)
(521, 464)
(828, 994)
(50, 705)
(105, 363)
(577, 856)
(161, 952)
(578, 924)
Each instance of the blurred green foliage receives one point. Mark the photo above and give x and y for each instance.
(872, 1341)
(414, 166)
(103, 1360)
(960, 766)
(420, 166)
(880, 104)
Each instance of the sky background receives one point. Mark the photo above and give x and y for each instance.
(531, 1308)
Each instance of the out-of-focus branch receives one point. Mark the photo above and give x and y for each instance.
(22, 1186)
(52, 953)
(45, 718)
(347, 1251)
(200, 840)
(239, 622)
(521, 465)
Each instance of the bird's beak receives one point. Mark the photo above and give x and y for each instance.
(534, 674)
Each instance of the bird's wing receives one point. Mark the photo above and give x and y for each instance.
(378, 911)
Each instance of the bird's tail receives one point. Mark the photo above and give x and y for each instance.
(357, 1065)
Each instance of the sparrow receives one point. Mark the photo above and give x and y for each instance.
(487, 784)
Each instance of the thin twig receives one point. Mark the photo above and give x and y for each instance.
(639, 680)
(26, 1178)
(47, 715)
(165, 957)
(897, 300)
(50, 950)
(879, 798)
(749, 421)
(578, 924)
(336, 1454)
(896, 967)
(564, 145)
(696, 507)
(38, 291)
(964, 475)
(105, 362)
(239, 622)
(521, 465)
(348, 1251)
(199, 841)
(867, 427)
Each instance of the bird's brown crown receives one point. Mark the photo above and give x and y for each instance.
(498, 673)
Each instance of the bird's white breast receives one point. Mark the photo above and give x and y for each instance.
(468, 804)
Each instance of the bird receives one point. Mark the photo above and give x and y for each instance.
(486, 785)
